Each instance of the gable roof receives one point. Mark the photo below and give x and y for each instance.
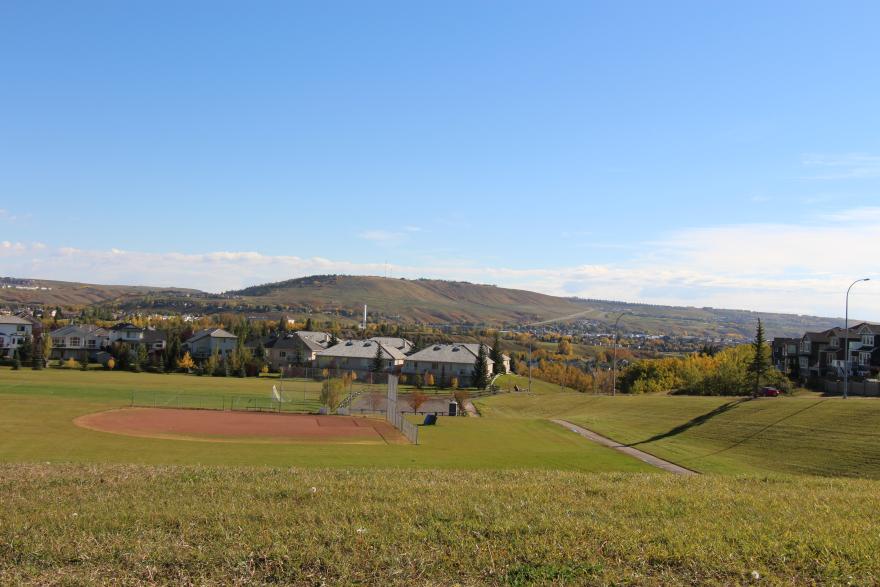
(450, 353)
(153, 335)
(401, 344)
(361, 349)
(14, 320)
(126, 326)
(211, 332)
(83, 330)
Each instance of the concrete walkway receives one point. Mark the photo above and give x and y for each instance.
(470, 409)
(633, 452)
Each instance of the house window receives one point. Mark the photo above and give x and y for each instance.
(20, 329)
(433, 365)
(834, 342)
(92, 343)
(57, 342)
(75, 341)
(283, 354)
(864, 359)
(868, 340)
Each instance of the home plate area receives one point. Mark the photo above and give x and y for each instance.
(228, 426)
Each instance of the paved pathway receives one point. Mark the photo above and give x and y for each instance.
(470, 409)
(633, 452)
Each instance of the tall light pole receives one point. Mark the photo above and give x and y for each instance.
(846, 340)
(614, 361)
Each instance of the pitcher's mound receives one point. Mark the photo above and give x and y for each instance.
(217, 426)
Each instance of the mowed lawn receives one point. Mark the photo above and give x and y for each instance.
(804, 435)
(141, 524)
(37, 409)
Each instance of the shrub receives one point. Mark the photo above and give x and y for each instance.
(110, 364)
(70, 363)
(331, 394)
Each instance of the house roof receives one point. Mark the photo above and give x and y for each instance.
(315, 341)
(126, 326)
(401, 344)
(153, 335)
(450, 353)
(361, 349)
(212, 332)
(78, 330)
(14, 320)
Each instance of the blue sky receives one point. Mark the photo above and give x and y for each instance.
(681, 152)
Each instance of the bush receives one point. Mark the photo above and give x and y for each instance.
(110, 364)
(331, 393)
(70, 363)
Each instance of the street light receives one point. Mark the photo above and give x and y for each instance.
(614, 361)
(846, 340)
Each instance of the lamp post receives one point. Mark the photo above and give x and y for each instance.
(846, 340)
(614, 360)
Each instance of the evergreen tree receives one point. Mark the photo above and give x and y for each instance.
(298, 356)
(378, 362)
(496, 355)
(333, 340)
(761, 360)
(37, 362)
(282, 325)
(16, 360)
(480, 378)
(26, 349)
(308, 324)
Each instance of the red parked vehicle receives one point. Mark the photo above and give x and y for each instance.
(770, 392)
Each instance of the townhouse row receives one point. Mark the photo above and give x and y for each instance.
(830, 353)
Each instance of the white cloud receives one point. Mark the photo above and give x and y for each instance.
(774, 267)
(843, 166)
(380, 236)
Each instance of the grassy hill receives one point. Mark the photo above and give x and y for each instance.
(50, 293)
(420, 300)
(436, 301)
(803, 435)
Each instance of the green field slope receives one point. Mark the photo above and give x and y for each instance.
(809, 435)
(132, 525)
(37, 409)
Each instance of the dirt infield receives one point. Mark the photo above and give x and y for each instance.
(220, 426)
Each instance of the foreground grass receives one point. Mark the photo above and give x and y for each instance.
(179, 525)
(806, 435)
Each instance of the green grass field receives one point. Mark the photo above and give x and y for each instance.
(506, 499)
(37, 409)
(804, 435)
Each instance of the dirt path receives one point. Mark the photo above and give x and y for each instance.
(633, 452)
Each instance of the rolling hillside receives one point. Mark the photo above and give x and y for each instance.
(420, 300)
(436, 301)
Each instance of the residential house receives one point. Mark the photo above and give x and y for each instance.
(358, 355)
(786, 355)
(79, 342)
(155, 340)
(865, 350)
(13, 331)
(445, 361)
(296, 349)
(128, 333)
(205, 343)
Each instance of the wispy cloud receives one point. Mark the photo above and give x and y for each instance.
(381, 236)
(762, 266)
(843, 166)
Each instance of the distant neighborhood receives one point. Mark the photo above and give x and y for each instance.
(127, 344)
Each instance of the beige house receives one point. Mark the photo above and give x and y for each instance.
(296, 349)
(358, 355)
(445, 361)
(205, 343)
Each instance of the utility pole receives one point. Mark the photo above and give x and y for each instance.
(846, 340)
(614, 359)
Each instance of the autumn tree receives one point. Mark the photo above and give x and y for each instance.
(331, 393)
(416, 399)
(563, 347)
(186, 363)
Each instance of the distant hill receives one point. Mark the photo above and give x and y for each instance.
(437, 301)
(66, 293)
(418, 300)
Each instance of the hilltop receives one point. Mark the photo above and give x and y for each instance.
(429, 301)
